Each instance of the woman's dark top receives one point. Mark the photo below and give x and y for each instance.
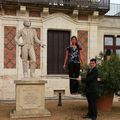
(73, 54)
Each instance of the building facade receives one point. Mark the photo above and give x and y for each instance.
(55, 22)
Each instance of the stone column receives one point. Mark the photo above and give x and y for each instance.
(1, 49)
(93, 46)
(30, 99)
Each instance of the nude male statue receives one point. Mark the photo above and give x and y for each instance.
(29, 36)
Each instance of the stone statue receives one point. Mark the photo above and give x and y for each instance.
(29, 36)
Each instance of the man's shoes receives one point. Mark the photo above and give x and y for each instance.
(88, 117)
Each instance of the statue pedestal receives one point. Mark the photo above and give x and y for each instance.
(30, 99)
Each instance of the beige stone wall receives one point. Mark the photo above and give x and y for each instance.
(107, 26)
(96, 28)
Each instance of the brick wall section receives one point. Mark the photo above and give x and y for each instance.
(37, 49)
(33, 13)
(83, 40)
(10, 12)
(82, 17)
(9, 47)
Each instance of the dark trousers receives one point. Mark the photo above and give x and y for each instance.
(92, 108)
(74, 71)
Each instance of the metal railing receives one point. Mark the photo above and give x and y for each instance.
(75, 4)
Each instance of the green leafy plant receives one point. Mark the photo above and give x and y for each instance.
(109, 74)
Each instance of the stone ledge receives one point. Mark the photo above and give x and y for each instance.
(29, 81)
(30, 113)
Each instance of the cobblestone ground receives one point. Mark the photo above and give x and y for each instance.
(70, 110)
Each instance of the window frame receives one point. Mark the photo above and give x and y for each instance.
(114, 47)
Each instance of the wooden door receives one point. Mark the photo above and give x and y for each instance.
(57, 42)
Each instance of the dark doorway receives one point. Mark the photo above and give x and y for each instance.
(57, 42)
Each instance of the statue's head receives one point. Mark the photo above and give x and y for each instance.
(27, 23)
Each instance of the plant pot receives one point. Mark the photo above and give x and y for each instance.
(104, 103)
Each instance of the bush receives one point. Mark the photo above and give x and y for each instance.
(109, 75)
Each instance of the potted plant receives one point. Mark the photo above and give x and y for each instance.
(108, 82)
(109, 74)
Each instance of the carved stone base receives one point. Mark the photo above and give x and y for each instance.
(30, 100)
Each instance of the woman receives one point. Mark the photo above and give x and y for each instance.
(73, 58)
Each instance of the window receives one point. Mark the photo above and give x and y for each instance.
(118, 41)
(118, 52)
(112, 43)
(109, 41)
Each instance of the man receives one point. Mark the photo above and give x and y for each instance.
(91, 90)
(27, 47)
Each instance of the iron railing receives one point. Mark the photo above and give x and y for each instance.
(69, 4)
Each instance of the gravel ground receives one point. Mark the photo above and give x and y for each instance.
(70, 110)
